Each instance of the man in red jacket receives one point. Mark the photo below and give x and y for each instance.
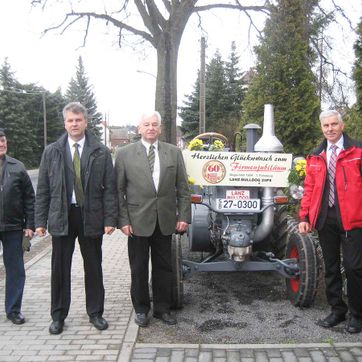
(332, 204)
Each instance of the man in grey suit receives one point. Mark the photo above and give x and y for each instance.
(154, 202)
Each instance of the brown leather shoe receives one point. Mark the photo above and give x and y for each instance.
(166, 318)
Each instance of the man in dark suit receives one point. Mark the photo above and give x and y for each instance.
(154, 202)
(332, 204)
(76, 198)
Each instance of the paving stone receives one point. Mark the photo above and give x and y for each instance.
(346, 356)
(261, 356)
(289, 356)
(233, 356)
(318, 356)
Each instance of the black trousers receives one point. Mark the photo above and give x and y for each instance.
(332, 240)
(138, 253)
(91, 250)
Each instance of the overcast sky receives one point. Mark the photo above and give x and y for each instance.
(124, 80)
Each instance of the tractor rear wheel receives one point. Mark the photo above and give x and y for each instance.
(303, 288)
(177, 273)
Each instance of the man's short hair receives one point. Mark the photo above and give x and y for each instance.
(75, 107)
(149, 115)
(329, 113)
(2, 132)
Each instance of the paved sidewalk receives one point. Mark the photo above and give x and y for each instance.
(80, 341)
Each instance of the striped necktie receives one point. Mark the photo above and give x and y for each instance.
(151, 157)
(78, 187)
(332, 175)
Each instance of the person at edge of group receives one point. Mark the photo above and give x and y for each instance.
(76, 198)
(332, 204)
(154, 203)
(16, 220)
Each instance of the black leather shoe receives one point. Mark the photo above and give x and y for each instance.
(166, 318)
(332, 320)
(354, 325)
(141, 319)
(99, 322)
(16, 318)
(56, 327)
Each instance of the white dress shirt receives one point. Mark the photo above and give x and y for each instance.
(156, 168)
(72, 150)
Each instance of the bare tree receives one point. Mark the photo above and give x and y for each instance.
(163, 23)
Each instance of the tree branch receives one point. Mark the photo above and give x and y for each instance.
(155, 14)
(119, 24)
(237, 6)
(146, 18)
(167, 5)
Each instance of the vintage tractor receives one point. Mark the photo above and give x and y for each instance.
(240, 217)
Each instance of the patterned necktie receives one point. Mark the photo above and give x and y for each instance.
(151, 157)
(78, 187)
(332, 175)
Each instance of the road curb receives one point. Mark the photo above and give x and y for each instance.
(39, 256)
(129, 340)
(249, 346)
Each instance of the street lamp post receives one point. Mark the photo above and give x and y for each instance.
(45, 120)
(142, 71)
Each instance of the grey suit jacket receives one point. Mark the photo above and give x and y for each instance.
(140, 205)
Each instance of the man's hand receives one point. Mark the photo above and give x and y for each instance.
(181, 226)
(28, 233)
(40, 231)
(127, 230)
(304, 227)
(108, 230)
(26, 244)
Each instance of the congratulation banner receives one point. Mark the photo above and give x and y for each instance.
(238, 168)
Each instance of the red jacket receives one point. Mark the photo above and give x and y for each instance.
(348, 184)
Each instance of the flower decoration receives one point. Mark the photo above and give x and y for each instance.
(298, 172)
(217, 146)
(196, 145)
(191, 180)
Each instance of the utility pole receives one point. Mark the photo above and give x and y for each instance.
(202, 127)
(44, 119)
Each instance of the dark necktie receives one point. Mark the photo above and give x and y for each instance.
(151, 157)
(78, 187)
(332, 175)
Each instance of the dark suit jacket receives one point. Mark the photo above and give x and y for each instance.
(55, 186)
(140, 205)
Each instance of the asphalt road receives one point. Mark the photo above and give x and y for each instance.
(244, 307)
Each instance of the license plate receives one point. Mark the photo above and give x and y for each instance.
(238, 205)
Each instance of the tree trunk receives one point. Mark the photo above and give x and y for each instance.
(166, 85)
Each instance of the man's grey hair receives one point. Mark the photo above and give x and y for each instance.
(75, 107)
(329, 113)
(150, 115)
